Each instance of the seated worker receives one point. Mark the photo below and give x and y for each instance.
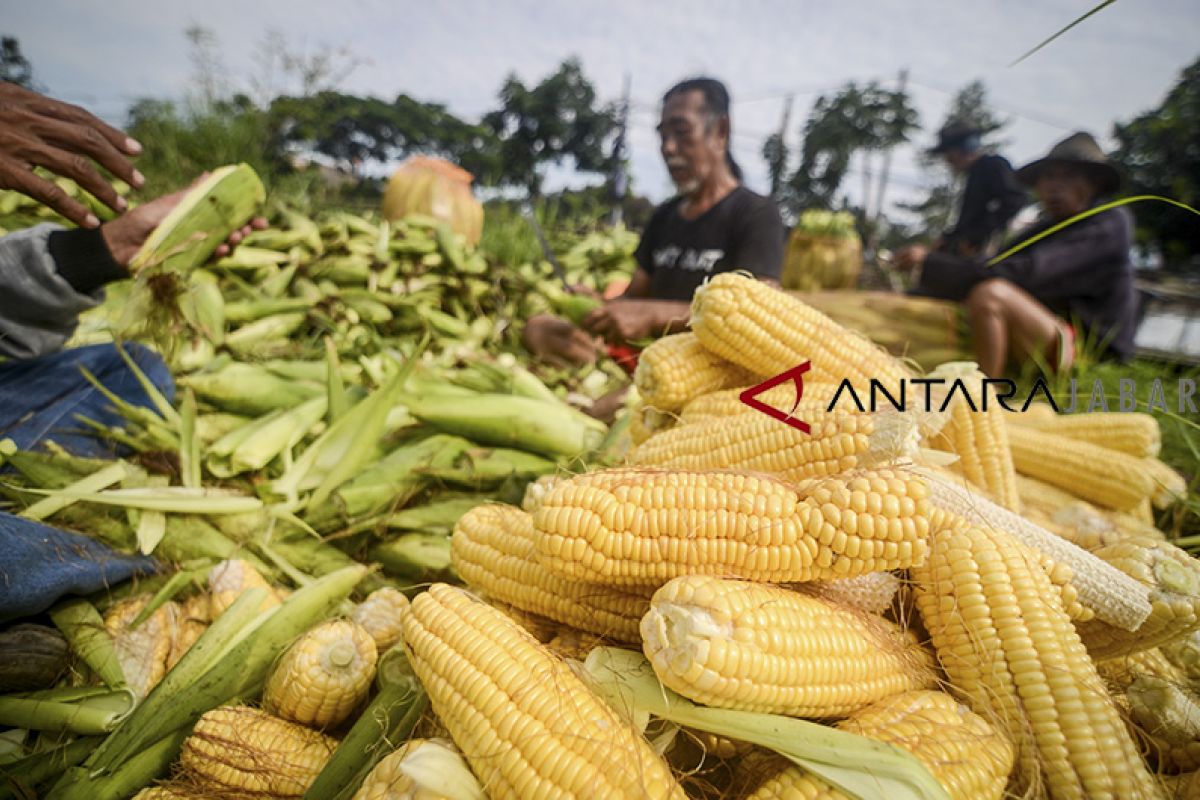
(50, 275)
(715, 224)
(991, 197)
(1023, 305)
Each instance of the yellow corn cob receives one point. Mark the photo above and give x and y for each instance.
(1112, 595)
(1006, 644)
(193, 621)
(728, 403)
(379, 615)
(769, 331)
(1169, 715)
(872, 593)
(1078, 521)
(1133, 432)
(493, 551)
(421, 769)
(1173, 579)
(718, 746)
(1060, 576)
(1169, 485)
(1184, 652)
(527, 725)
(535, 491)
(676, 369)
(749, 646)
(237, 751)
(1143, 512)
(638, 526)
(142, 651)
(754, 442)
(1105, 477)
(165, 793)
(324, 675)
(645, 422)
(1119, 672)
(535, 625)
(978, 437)
(228, 579)
(970, 758)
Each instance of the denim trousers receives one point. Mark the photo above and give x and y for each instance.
(41, 400)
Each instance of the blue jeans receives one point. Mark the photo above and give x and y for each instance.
(39, 400)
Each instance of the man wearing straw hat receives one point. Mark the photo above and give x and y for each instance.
(991, 196)
(1024, 305)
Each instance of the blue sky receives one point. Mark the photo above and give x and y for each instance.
(1115, 65)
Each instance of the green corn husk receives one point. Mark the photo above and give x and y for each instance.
(203, 306)
(82, 625)
(23, 777)
(345, 447)
(390, 482)
(861, 767)
(176, 499)
(89, 716)
(245, 311)
(189, 538)
(236, 665)
(249, 389)
(202, 220)
(550, 429)
(127, 779)
(312, 371)
(440, 515)
(390, 718)
(349, 269)
(258, 443)
(266, 330)
(253, 261)
(483, 468)
(101, 479)
(415, 557)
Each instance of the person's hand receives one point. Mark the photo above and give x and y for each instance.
(911, 257)
(126, 234)
(558, 342)
(38, 131)
(620, 321)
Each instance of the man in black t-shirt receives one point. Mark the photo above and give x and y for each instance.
(714, 225)
(991, 196)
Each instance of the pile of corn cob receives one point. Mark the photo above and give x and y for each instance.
(882, 607)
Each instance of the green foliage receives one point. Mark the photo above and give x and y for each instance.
(180, 143)
(14, 66)
(1159, 151)
(354, 129)
(866, 118)
(556, 119)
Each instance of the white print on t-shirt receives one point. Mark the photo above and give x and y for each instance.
(691, 260)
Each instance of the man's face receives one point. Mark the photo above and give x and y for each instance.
(1064, 190)
(691, 144)
(957, 159)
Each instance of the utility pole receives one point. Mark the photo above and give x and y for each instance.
(902, 84)
(620, 181)
(777, 183)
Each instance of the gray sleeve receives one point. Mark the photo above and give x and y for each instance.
(38, 308)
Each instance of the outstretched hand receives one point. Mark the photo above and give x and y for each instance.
(38, 131)
(126, 234)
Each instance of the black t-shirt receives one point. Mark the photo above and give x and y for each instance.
(991, 197)
(741, 232)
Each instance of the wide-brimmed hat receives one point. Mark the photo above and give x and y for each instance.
(1080, 150)
(953, 134)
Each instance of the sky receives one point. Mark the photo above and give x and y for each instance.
(1116, 65)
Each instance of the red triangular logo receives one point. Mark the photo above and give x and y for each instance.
(796, 374)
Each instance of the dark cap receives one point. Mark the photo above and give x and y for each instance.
(952, 135)
(1079, 150)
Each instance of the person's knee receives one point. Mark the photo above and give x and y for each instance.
(990, 296)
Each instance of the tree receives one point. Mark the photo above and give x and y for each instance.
(856, 119)
(1159, 151)
(14, 66)
(775, 153)
(559, 118)
(970, 106)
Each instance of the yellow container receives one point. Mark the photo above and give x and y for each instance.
(821, 262)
